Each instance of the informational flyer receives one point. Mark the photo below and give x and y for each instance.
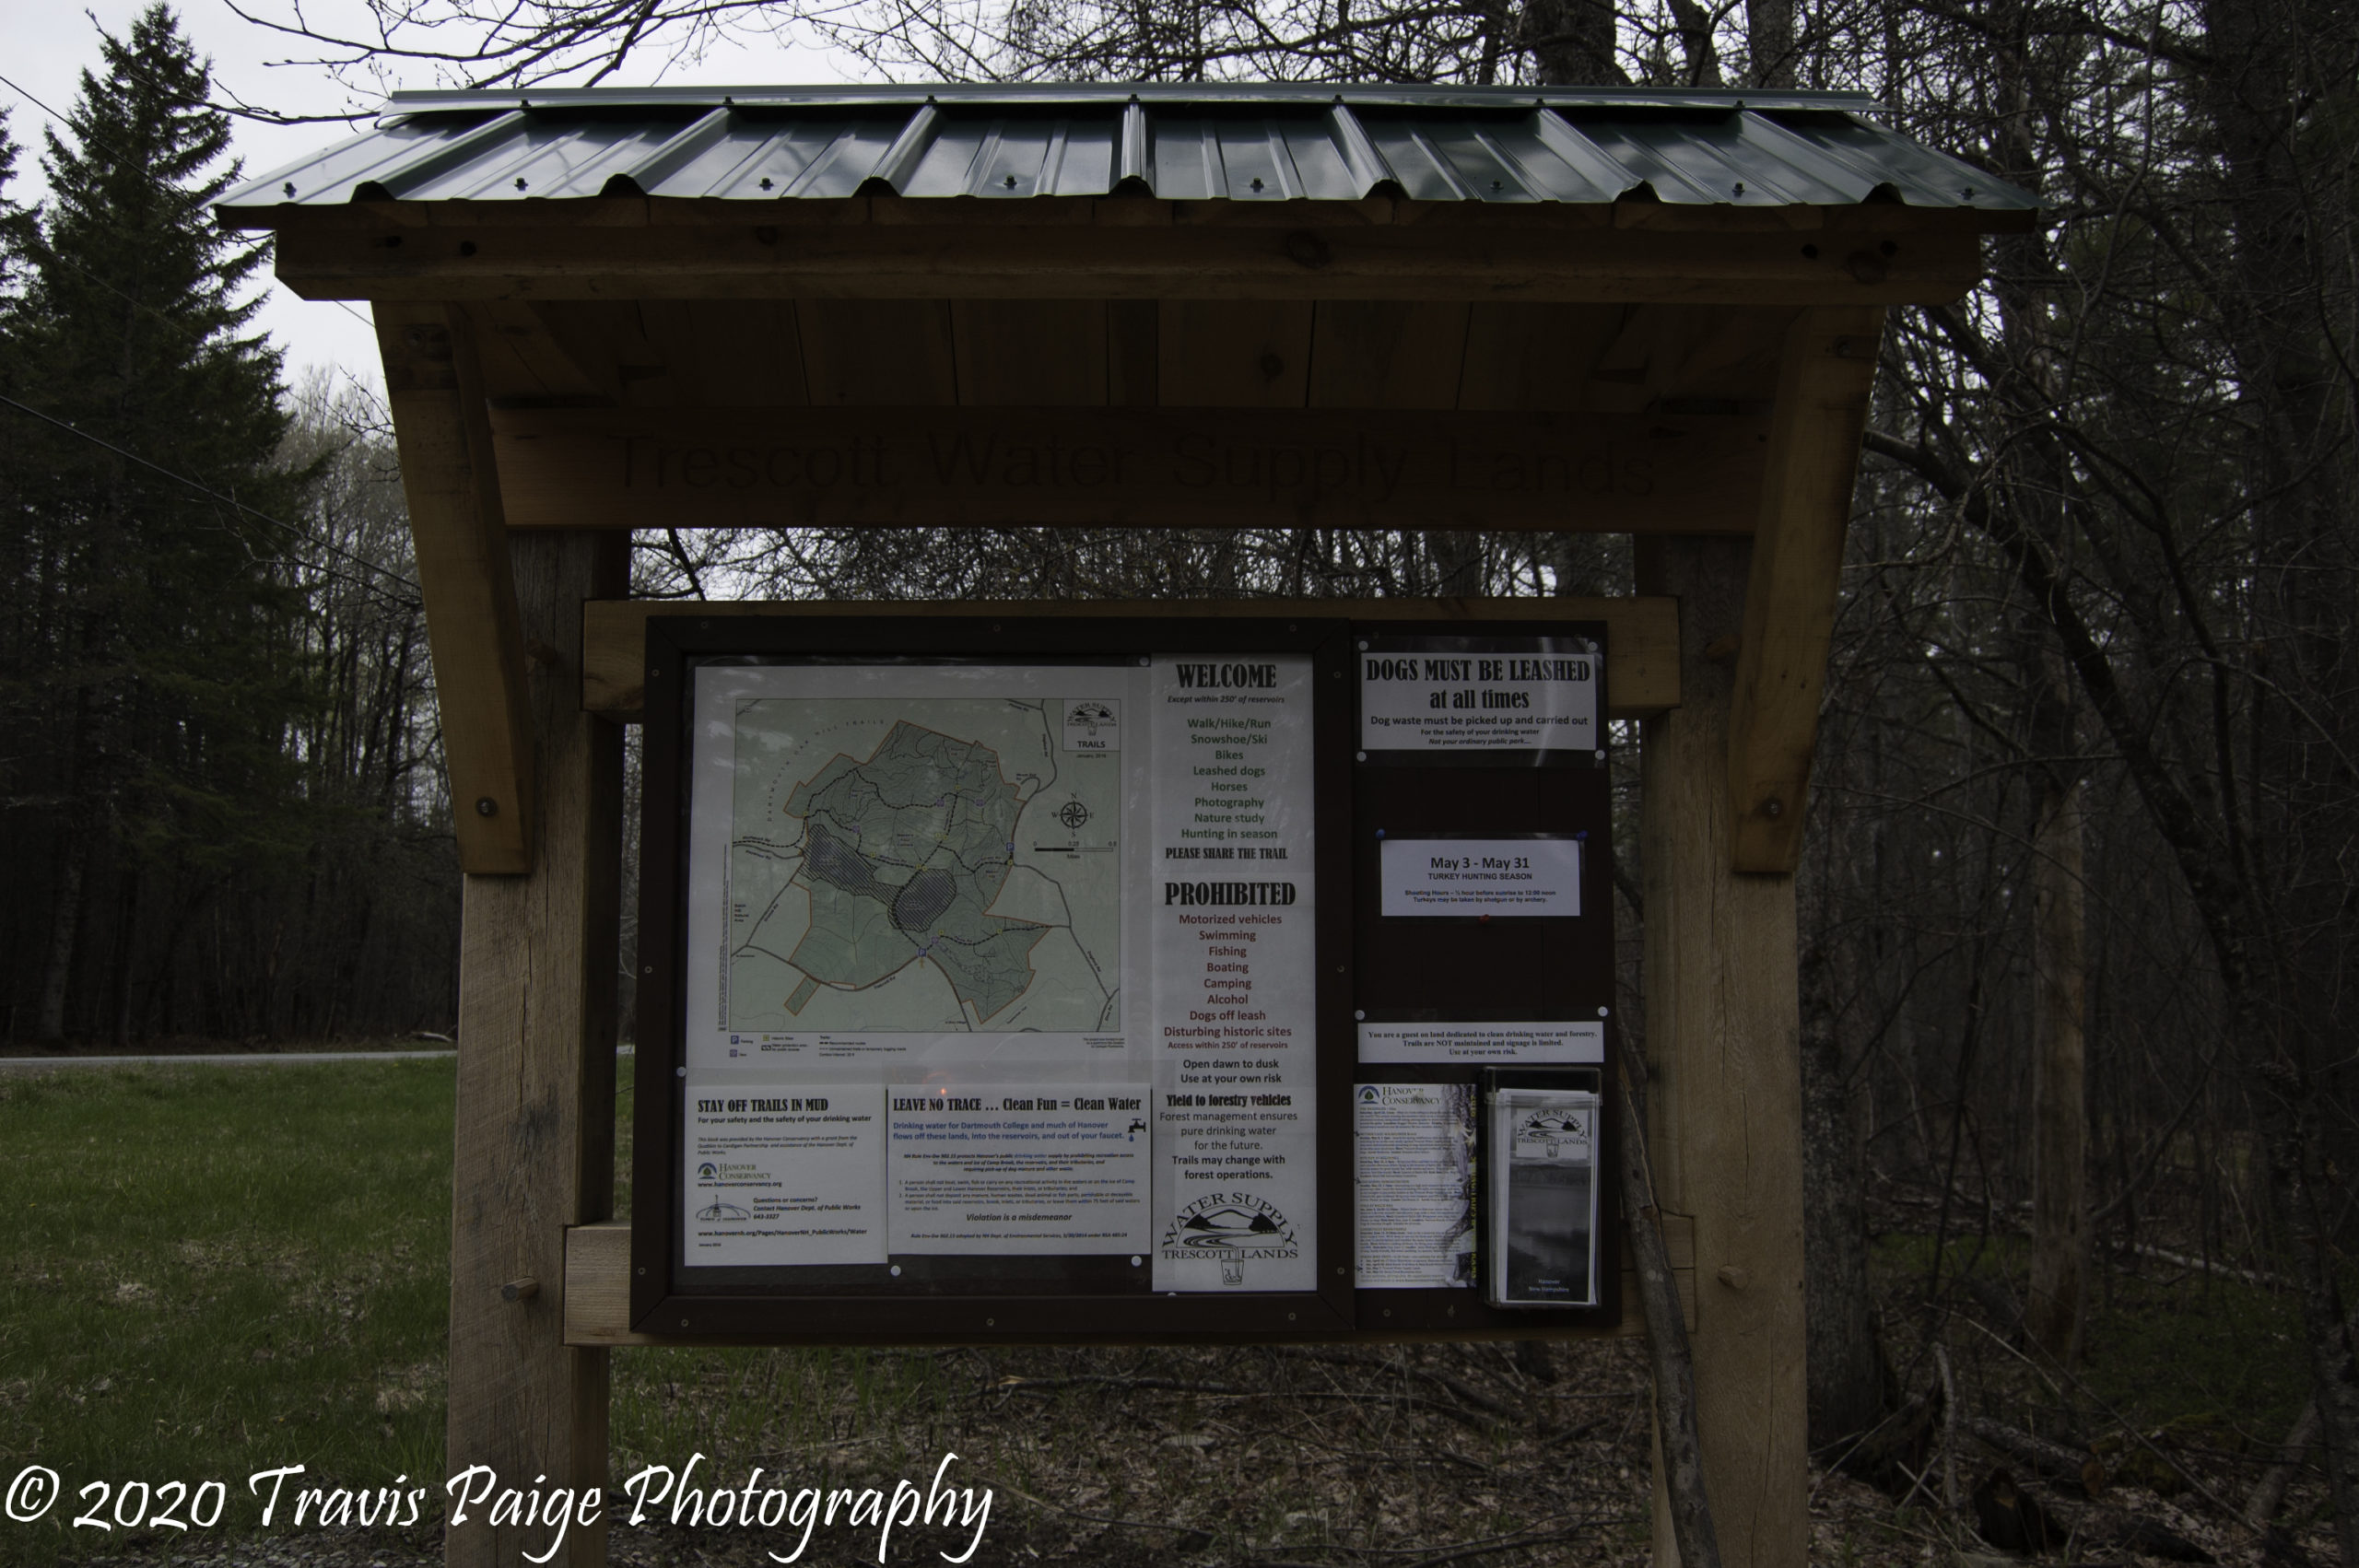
(1541, 1188)
(1433, 696)
(1456, 1043)
(1502, 878)
(1234, 957)
(1061, 1169)
(784, 1173)
(1413, 1147)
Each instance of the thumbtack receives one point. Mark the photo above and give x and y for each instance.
(487, 806)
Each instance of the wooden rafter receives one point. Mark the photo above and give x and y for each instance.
(475, 255)
(1828, 366)
(1278, 467)
(1642, 633)
(435, 387)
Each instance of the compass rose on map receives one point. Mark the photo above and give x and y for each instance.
(1073, 814)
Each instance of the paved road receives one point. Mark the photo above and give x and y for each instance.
(230, 1058)
(239, 1058)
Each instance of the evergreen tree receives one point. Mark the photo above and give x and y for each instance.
(154, 664)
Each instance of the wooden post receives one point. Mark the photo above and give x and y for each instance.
(536, 1083)
(1723, 1040)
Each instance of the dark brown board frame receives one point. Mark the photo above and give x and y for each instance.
(962, 1302)
(1472, 971)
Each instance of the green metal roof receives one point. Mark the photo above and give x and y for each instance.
(1190, 142)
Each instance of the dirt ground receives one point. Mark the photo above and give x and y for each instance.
(1411, 1457)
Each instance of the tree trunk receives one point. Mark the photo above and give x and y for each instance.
(65, 928)
(1769, 40)
(127, 954)
(2275, 65)
(1847, 1365)
(1572, 42)
(2304, 1192)
(2059, 1245)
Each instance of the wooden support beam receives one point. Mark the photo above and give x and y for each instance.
(597, 1299)
(1024, 353)
(529, 350)
(534, 1142)
(1280, 467)
(434, 386)
(716, 353)
(1234, 354)
(478, 254)
(1641, 658)
(1724, 1103)
(1826, 370)
(1387, 354)
(876, 355)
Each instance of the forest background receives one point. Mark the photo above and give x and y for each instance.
(2082, 891)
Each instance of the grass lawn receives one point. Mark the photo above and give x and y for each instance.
(215, 1272)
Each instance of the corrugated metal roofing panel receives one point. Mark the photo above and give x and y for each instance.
(1180, 143)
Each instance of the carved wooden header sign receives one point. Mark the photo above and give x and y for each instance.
(1046, 978)
(786, 467)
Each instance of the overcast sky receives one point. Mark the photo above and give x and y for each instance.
(51, 43)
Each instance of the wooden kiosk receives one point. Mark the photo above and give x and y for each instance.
(603, 309)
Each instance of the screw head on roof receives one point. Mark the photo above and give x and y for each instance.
(1009, 181)
(1967, 191)
(1498, 184)
(1740, 187)
(289, 188)
(766, 182)
(1257, 181)
(520, 181)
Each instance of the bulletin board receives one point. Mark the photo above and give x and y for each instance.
(1027, 979)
